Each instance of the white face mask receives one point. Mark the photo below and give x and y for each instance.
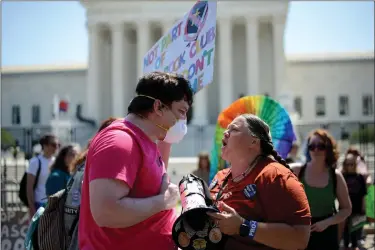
(176, 133)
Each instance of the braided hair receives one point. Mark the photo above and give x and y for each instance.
(261, 130)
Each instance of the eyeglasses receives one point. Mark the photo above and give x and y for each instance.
(318, 146)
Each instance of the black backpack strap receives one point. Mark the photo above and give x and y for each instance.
(332, 172)
(38, 172)
(302, 172)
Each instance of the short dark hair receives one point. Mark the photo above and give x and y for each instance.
(166, 87)
(46, 139)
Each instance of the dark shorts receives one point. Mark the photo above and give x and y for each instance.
(325, 240)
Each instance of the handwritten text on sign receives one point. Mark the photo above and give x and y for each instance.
(188, 48)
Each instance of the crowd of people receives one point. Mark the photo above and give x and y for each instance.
(127, 200)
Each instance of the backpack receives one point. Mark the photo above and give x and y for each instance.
(22, 193)
(60, 217)
(332, 173)
(58, 225)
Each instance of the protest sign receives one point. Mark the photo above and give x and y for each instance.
(14, 225)
(188, 48)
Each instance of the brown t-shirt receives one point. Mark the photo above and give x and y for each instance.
(276, 196)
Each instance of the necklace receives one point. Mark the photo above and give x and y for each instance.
(247, 171)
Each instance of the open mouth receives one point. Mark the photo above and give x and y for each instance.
(224, 143)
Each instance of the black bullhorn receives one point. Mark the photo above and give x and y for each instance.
(194, 229)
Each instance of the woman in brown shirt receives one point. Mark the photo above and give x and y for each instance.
(262, 203)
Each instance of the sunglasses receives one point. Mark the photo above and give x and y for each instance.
(349, 164)
(319, 146)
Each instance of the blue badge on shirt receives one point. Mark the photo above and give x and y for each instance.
(250, 191)
(76, 197)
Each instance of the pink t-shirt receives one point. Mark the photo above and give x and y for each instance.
(115, 154)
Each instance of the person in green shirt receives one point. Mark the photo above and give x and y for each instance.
(60, 170)
(324, 184)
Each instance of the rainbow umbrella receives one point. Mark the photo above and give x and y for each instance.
(265, 108)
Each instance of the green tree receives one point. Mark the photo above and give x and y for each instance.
(363, 135)
(7, 138)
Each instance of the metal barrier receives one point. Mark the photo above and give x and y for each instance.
(14, 215)
(11, 175)
(27, 137)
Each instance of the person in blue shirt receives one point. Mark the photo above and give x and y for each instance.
(60, 170)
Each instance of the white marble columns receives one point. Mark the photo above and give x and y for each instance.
(122, 57)
(225, 63)
(143, 43)
(119, 69)
(279, 55)
(200, 115)
(252, 55)
(93, 72)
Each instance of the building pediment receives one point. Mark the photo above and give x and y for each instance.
(131, 11)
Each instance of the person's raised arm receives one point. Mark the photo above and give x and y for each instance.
(113, 166)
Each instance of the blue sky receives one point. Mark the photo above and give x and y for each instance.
(40, 33)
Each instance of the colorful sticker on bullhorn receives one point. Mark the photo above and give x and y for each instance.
(215, 235)
(203, 233)
(183, 239)
(213, 184)
(199, 244)
(250, 191)
(178, 226)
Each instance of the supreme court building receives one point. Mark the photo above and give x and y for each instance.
(249, 42)
(326, 88)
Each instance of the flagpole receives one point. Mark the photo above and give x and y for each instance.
(67, 99)
(56, 113)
